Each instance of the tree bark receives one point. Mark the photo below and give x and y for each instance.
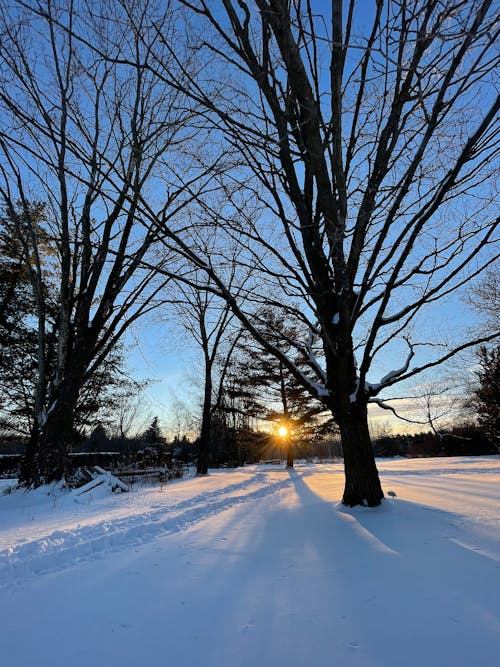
(362, 483)
(57, 439)
(206, 422)
(286, 416)
(29, 476)
(47, 456)
(289, 452)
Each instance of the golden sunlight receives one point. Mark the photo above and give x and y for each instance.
(283, 431)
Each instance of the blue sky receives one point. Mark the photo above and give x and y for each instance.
(167, 356)
(165, 353)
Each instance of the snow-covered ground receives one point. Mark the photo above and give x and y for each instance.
(258, 567)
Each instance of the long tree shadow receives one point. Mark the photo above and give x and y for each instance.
(286, 579)
(404, 569)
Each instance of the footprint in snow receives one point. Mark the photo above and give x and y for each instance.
(353, 645)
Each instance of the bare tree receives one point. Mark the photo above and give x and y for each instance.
(88, 135)
(129, 408)
(209, 322)
(368, 145)
(180, 418)
(484, 298)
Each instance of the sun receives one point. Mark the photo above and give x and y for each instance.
(283, 431)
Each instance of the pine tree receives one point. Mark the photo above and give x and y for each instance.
(98, 438)
(486, 397)
(266, 388)
(18, 336)
(152, 435)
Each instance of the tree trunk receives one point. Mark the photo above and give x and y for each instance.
(289, 452)
(47, 456)
(57, 438)
(286, 417)
(29, 476)
(206, 422)
(362, 483)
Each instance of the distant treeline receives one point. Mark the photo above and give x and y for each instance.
(110, 453)
(460, 440)
(250, 446)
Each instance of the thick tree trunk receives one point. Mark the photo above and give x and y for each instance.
(47, 456)
(58, 436)
(362, 483)
(203, 447)
(206, 423)
(30, 474)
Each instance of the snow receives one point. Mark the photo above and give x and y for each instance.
(321, 391)
(375, 388)
(258, 566)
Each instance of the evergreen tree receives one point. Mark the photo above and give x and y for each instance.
(152, 435)
(486, 397)
(264, 387)
(98, 398)
(18, 334)
(99, 438)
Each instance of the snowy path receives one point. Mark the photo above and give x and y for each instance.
(259, 568)
(127, 524)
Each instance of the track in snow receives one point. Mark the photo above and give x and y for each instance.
(63, 548)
